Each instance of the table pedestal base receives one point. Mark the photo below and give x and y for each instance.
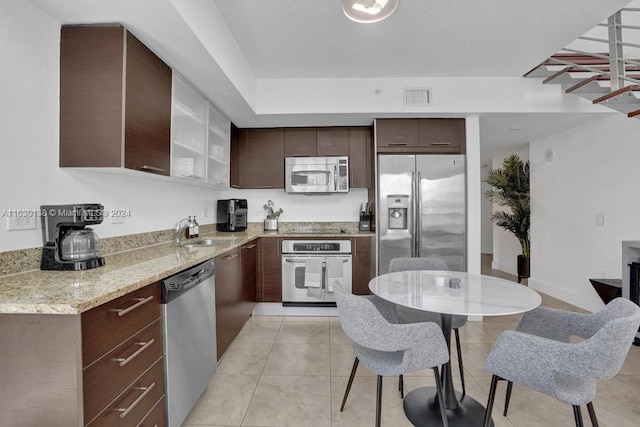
(421, 409)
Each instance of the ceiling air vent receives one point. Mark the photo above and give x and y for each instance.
(417, 96)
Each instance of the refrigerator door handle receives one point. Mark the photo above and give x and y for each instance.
(412, 217)
(419, 217)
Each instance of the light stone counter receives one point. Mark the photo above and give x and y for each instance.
(74, 292)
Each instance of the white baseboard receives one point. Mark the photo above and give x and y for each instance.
(584, 301)
(507, 268)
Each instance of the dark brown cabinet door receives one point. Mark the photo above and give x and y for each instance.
(360, 158)
(95, 63)
(249, 257)
(147, 110)
(362, 266)
(299, 142)
(397, 135)
(229, 314)
(234, 158)
(443, 135)
(263, 165)
(270, 270)
(332, 141)
(438, 136)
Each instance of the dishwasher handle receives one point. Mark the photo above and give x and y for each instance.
(187, 279)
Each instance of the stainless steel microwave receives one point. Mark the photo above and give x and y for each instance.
(316, 174)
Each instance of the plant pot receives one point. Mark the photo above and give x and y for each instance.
(524, 267)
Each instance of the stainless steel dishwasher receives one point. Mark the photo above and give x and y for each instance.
(189, 323)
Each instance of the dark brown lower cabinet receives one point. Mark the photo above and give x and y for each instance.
(235, 292)
(362, 267)
(103, 367)
(249, 277)
(269, 269)
(229, 318)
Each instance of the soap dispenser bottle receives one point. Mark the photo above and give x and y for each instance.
(193, 228)
(187, 230)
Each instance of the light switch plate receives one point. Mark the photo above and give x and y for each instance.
(600, 220)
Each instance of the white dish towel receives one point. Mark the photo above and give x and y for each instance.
(313, 277)
(334, 274)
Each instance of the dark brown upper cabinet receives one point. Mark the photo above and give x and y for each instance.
(115, 101)
(360, 158)
(234, 158)
(261, 162)
(437, 136)
(333, 141)
(257, 155)
(300, 142)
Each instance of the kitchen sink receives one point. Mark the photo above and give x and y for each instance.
(204, 242)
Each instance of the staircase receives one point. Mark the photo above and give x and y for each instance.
(607, 78)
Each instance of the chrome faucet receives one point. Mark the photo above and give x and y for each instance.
(179, 229)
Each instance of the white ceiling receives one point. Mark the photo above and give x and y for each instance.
(313, 39)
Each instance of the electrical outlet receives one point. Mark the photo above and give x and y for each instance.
(599, 220)
(116, 219)
(205, 213)
(21, 223)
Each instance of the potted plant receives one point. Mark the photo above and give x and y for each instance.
(510, 188)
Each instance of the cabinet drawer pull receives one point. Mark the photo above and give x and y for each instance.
(398, 143)
(232, 256)
(141, 301)
(440, 143)
(151, 168)
(249, 247)
(234, 186)
(333, 155)
(264, 186)
(145, 390)
(145, 345)
(299, 155)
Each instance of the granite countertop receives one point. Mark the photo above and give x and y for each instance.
(74, 292)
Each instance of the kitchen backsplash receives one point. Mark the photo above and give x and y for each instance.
(21, 260)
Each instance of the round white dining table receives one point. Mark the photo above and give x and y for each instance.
(477, 295)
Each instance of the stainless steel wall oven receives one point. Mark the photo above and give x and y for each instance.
(312, 268)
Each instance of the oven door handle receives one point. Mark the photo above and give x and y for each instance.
(301, 260)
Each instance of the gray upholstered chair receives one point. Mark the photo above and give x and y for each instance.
(410, 315)
(540, 355)
(389, 349)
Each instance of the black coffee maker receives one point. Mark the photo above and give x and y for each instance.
(68, 244)
(231, 215)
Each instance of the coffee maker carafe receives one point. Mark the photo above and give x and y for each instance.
(68, 244)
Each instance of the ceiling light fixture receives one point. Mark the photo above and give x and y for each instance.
(369, 11)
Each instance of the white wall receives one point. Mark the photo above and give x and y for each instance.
(29, 173)
(594, 170)
(300, 207)
(506, 246)
(472, 127)
(486, 209)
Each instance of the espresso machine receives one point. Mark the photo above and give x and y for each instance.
(68, 244)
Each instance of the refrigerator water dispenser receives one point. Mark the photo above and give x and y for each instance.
(398, 206)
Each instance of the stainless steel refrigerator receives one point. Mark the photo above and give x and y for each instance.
(421, 208)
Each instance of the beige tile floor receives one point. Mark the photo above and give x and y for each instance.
(292, 371)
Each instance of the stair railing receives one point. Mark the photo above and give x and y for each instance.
(617, 63)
